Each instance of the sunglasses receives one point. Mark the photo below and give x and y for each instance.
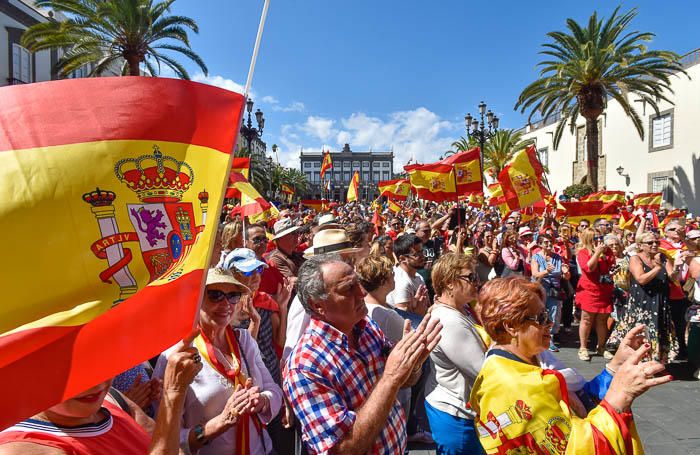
(259, 240)
(672, 229)
(599, 238)
(541, 319)
(257, 270)
(510, 222)
(652, 242)
(216, 296)
(469, 278)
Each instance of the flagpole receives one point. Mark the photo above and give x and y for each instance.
(459, 218)
(256, 49)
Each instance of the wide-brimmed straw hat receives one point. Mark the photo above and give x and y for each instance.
(284, 226)
(330, 241)
(222, 276)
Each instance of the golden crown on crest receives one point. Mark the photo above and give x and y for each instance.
(164, 180)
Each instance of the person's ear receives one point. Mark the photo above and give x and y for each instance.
(317, 307)
(510, 330)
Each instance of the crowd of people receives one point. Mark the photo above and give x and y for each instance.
(346, 332)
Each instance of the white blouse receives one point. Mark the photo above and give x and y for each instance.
(208, 393)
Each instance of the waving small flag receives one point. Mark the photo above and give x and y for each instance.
(354, 188)
(521, 179)
(326, 164)
(647, 201)
(397, 189)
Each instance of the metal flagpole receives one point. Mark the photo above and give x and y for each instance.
(256, 49)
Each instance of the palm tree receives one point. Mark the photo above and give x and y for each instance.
(258, 177)
(501, 147)
(586, 66)
(107, 33)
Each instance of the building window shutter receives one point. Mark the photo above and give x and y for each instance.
(661, 134)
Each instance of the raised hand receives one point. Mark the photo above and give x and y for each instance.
(183, 365)
(412, 350)
(237, 404)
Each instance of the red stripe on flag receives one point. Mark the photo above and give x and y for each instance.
(155, 318)
(70, 119)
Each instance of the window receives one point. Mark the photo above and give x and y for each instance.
(581, 143)
(385, 164)
(317, 164)
(308, 176)
(346, 176)
(307, 165)
(355, 165)
(661, 131)
(661, 182)
(83, 71)
(385, 175)
(21, 63)
(375, 176)
(336, 176)
(365, 165)
(346, 165)
(317, 177)
(365, 176)
(544, 155)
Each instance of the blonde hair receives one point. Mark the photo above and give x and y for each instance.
(373, 271)
(586, 240)
(447, 270)
(230, 235)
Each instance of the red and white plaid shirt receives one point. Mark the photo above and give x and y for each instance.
(327, 382)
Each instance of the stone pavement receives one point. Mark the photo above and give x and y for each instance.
(667, 417)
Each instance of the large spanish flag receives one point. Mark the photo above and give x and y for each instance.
(521, 179)
(589, 210)
(105, 185)
(397, 189)
(606, 196)
(319, 205)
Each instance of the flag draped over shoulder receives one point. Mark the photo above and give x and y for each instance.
(326, 164)
(104, 264)
(354, 187)
(456, 175)
(397, 189)
(238, 166)
(521, 179)
(647, 201)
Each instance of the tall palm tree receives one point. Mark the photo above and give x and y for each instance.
(501, 147)
(589, 64)
(107, 33)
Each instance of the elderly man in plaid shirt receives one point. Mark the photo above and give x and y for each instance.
(343, 376)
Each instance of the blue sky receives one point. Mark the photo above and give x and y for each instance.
(387, 73)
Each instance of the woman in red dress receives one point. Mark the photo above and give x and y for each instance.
(594, 292)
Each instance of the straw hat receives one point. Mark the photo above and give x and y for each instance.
(284, 226)
(222, 276)
(330, 241)
(524, 231)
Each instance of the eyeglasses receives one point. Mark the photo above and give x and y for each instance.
(510, 222)
(598, 238)
(541, 319)
(671, 229)
(259, 240)
(469, 278)
(652, 242)
(216, 296)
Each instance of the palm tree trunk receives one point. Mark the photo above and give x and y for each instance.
(134, 63)
(592, 152)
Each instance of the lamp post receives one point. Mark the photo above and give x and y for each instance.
(247, 130)
(481, 130)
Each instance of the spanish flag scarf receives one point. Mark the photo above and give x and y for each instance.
(236, 376)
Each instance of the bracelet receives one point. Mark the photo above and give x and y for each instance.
(610, 370)
(199, 435)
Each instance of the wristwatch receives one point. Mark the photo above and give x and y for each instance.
(199, 435)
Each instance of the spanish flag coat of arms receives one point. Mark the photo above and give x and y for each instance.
(105, 186)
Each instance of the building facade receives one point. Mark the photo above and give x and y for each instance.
(667, 160)
(258, 147)
(372, 166)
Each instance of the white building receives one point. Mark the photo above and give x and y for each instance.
(667, 160)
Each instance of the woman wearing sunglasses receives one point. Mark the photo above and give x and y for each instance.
(233, 397)
(650, 275)
(457, 358)
(520, 396)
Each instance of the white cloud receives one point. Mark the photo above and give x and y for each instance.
(296, 106)
(417, 133)
(221, 82)
(269, 99)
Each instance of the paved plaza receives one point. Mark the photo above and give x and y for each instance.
(667, 417)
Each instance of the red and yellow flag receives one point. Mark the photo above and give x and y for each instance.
(673, 215)
(647, 201)
(117, 277)
(497, 199)
(354, 187)
(286, 189)
(253, 205)
(591, 210)
(521, 179)
(319, 205)
(238, 166)
(397, 189)
(606, 196)
(447, 179)
(326, 164)
(393, 206)
(627, 220)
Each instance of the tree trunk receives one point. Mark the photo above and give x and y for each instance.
(134, 63)
(592, 151)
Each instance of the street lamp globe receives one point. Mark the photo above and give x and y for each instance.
(468, 120)
(249, 105)
(259, 117)
(482, 108)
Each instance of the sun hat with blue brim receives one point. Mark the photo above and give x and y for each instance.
(243, 260)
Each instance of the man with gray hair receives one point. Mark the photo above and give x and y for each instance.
(343, 376)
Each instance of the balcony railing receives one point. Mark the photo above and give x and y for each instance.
(691, 58)
(13, 81)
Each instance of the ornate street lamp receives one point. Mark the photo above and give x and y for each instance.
(482, 128)
(247, 130)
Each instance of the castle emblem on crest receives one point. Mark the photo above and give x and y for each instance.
(523, 184)
(163, 227)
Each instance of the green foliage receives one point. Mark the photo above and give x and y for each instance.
(498, 149)
(587, 65)
(578, 190)
(115, 35)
